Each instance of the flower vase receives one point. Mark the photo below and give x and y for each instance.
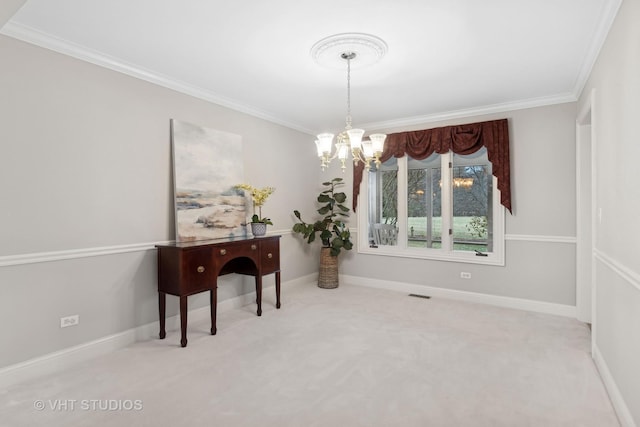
(258, 229)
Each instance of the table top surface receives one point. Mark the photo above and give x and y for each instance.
(231, 239)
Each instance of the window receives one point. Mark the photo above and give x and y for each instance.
(443, 207)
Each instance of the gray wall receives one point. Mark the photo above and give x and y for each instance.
(540, 246)
(615, 112)
(86, 169)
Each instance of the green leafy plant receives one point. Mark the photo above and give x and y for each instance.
(478, 226)
(333, 232)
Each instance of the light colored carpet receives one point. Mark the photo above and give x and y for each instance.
(351, 356)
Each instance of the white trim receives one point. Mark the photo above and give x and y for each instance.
(562, 98)
(35, 257)
(595, 224)
(621, 408)
(65, 47)
(56, 44)
(608, 16)
(496, 300)
(74, 253)
(626, 273)
(522, 237)
(540, 238)
(70, 357)
(433, 255)
(585, 218)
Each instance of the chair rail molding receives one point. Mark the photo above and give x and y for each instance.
(540, 238)
(36, 257)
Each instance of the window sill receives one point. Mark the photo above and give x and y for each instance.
(434, 254)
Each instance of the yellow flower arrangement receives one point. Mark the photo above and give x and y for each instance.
(259, 196)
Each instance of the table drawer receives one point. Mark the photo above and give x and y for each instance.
(198, 270)
(270, 256)
(231, 251)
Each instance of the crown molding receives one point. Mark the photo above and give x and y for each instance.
(48, 41)
(608, 14)
(31, 35)
(470, 112)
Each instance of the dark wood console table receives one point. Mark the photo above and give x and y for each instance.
(188, 268)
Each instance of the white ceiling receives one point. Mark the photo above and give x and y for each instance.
(446, 58)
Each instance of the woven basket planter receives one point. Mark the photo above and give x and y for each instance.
(328, 274)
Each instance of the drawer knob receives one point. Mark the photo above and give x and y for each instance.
(200, 269)
(223, 251)
(269, 255)
(254, 247)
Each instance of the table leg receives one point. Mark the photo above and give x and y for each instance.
(162, 304)
(213, 301)
(277, 289)
(183, 321)
(259, 293)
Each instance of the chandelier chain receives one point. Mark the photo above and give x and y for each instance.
(348, 126)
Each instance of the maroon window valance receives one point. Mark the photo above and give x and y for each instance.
(461, 139)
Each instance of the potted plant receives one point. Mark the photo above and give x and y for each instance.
(258, 196)
(333, 232)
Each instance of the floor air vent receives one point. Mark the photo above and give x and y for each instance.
(419, 296)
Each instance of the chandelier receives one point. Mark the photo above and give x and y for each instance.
(350, 140)
(460, 182)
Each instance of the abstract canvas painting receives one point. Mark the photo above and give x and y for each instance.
(207, 164)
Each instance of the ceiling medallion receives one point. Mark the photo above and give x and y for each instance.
(368, 48)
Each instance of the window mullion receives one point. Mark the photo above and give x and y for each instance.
(364, 215)
(403, 184)
(428, 193)
(447, 202)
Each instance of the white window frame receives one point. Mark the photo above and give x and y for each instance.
(446, 253)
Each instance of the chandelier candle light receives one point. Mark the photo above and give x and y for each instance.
(350, 139)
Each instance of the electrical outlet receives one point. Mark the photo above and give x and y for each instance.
(465, 275)
(69, 321)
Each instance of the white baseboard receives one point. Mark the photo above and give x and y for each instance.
(508, 302)
(63, 359)
(621, 408)
(70, 357)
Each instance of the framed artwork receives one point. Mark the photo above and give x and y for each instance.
(207, 164)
